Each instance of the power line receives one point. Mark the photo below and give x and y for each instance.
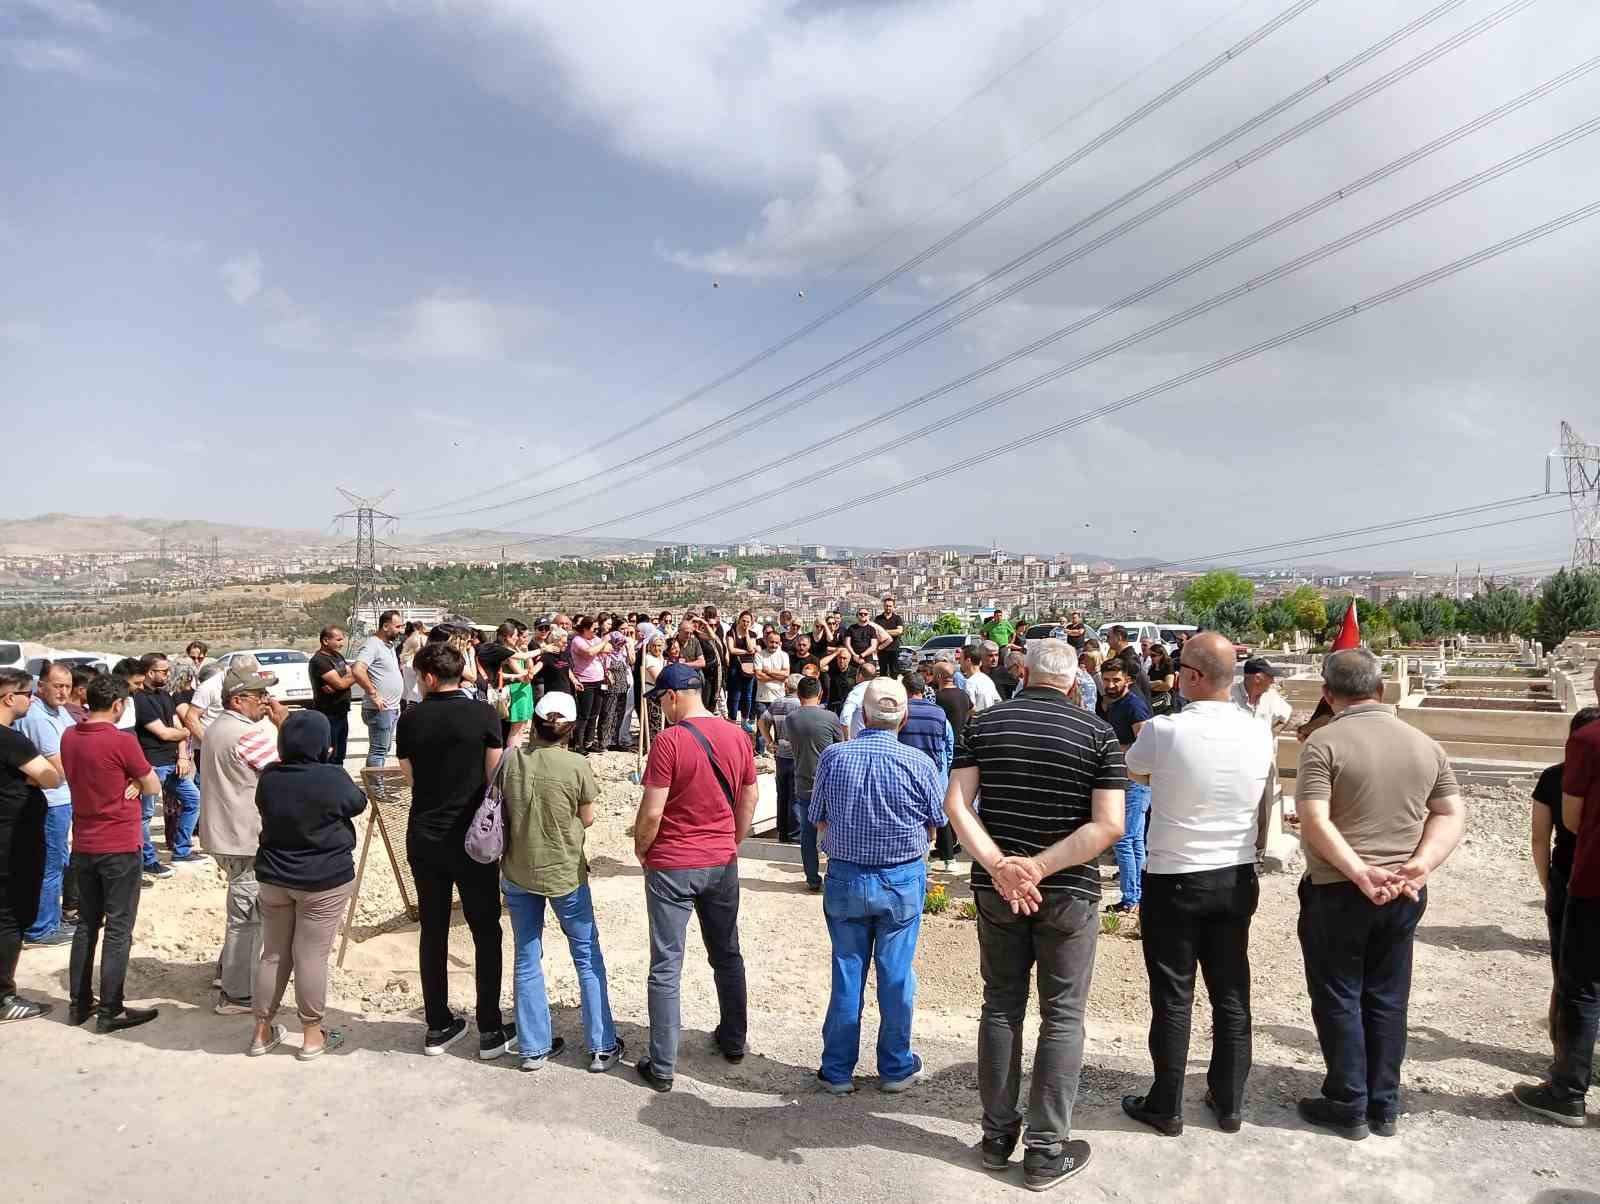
(1050, 173)
(1383, 543)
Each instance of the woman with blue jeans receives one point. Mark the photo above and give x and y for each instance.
(742, 649)
(549, 797)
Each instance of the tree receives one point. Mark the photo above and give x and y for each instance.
(1499, 611)
(1569, 601)
(949, 624)
(1233, 616)
(1209, 592)
(1274, 618)
(1309, 610)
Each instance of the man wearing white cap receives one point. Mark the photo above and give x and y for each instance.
(876, 804)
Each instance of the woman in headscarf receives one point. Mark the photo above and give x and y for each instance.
(305, 872)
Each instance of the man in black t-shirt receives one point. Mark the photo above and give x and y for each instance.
(165, 744)
(894, 626)
(864, 637)
(23, 771)
(448, 745)
(803, 656)
(331, 681)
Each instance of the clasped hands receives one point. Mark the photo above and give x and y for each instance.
(1017, 881)
(1385, 886)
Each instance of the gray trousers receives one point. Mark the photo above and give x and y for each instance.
(299, 927)
(712, 894)
(1060, 939)
(241, 947)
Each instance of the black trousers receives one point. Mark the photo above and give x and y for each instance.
(437, 868)
(1578, 1009)
(108, 896)
(21, 879)
(586, 732)
(339, 728)
(1358, 972)
(1199, 920)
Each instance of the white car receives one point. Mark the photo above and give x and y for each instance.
(293, 670)
(1137, 629)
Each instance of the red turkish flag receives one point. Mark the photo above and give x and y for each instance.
(1349, 630)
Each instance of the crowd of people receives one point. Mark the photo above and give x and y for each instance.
(1035, 756)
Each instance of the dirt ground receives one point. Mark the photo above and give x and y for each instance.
(379, 1121)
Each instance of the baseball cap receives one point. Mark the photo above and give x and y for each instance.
(246, 681)
(1260, 664)
(557, 705)
(885, 701)
(677, 677)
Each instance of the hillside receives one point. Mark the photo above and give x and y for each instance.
(48, 534)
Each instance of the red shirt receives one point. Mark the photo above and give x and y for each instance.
(697, 829)
(100, 760)
(1581, 777)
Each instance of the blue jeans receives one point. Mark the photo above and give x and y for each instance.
(808, 840)
(1130, 849)
(741, 695)
(575, 914)
(874, 914)
(57, 828)
(759, 709)
(380, 734)
(181, 840)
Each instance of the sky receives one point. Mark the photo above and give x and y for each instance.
(492, 256)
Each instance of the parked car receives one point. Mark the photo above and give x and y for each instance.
(71, 659)
(292, 668)
(1137, 630)
(942, 643)
(11, 656)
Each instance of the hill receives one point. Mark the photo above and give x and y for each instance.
(531, 545)
(49, 534)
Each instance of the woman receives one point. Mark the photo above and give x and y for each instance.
(618, 662)
(658, 653)
(586, 674)
(415, 637)
(516, 677)
(742, 649)
(549, 796)
(1163, 680)
(305, 873)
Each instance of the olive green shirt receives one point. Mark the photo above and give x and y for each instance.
(543, 788)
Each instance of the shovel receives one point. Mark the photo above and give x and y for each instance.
(637, 776)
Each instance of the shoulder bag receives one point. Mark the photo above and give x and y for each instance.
(486, 835)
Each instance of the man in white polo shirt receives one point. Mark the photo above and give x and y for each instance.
(1207, 767)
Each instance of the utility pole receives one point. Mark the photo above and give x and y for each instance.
(367, 517)
(1581, 460)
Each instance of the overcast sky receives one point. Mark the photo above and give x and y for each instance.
(251, 252)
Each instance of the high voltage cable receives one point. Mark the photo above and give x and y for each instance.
(1050, 173)
(1383, 543)
(1311, 257)
(1325, 115)
(1339, 315)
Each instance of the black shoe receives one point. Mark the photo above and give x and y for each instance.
(1230, 1122)
(78, 1015)
(1537, 1097)
(813, 888)
(647, 1072)
(1167, 1126)
(61, 934)
(1041, 1171)
(190, 858)
(440, 1039)
(734, 1056)
(126, 1018)
(1325, 1114)
(997, 1152)
(158, 870)
(1383, 1126)
(492, 1045)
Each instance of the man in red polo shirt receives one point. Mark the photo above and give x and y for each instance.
(1578, 1006)
(102, 762)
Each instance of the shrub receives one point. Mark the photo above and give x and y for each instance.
(937, 900)
(968, 909)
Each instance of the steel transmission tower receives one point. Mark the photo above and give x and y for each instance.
(368, 581)
(1582, 463)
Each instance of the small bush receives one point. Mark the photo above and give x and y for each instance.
(1111, 923)
(968, 909)
(937, 900)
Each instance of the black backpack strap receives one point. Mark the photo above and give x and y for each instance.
(727, 790)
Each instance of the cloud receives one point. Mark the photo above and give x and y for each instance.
(47, 54)
(451, 325)
(27, 333)
(80, 16)
(242, 277)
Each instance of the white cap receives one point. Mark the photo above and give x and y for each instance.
(885, 701)
(557, 705)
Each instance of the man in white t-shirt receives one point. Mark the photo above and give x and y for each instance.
(772, 671)
(377, 672)
(1207, 768)
(1259, 695)
(980, 686)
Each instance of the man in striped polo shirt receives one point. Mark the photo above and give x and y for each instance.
(1053, 781)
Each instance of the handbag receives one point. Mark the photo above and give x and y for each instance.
(486, 834)
(727, 790)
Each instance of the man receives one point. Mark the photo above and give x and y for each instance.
(331, 681)
(952, 699)
(449, 746)
(239, 745)
(207, 702)
(850, 714)
(865, 638)
(998, 628)
(107, 853)
(1379, 811)
(1074, 631)
(1577, 1008)
(773, 725)
(836, 663)
(1118, 645)
(876, 805)
(980, 687)
(1127, 713)
(1052, 780)
(802, 660)
(1206, 769)
(699, 797)
(893, 626)
(771, 673)
(377, 671)
(812, 728)
(132, 672)
(1002, 671)
(44, 724)
(1144, 653)
(1258, 694)
(928, 729)
(165, 744)
(24, 777)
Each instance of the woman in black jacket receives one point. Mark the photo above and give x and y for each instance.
(305, 873)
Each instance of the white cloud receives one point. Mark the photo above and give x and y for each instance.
(453, 325)
(242, 277)
(82, 16)
(47, 54)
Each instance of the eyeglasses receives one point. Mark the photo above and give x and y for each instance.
(21, 693)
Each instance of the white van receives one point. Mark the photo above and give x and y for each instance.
(1137, 630)
(11, 656)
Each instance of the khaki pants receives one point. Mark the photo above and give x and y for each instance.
(298, 931)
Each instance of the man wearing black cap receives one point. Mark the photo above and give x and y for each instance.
(1258, 693)
(699, 799)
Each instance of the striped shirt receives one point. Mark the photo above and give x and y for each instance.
(1039, 758)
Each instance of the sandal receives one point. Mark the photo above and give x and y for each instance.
(256, 1050)
(332, 1038)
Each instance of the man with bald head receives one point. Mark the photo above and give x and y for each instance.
(1207, 767)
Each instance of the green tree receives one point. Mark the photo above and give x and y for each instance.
(949, 624)
(1209, 592)
(1309, 610)
(1498, 612)
(1569, 601)
(1233, 616)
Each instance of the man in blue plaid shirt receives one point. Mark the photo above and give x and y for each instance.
(876, 804)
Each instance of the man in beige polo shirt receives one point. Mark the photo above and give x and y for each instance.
(1379, 811)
